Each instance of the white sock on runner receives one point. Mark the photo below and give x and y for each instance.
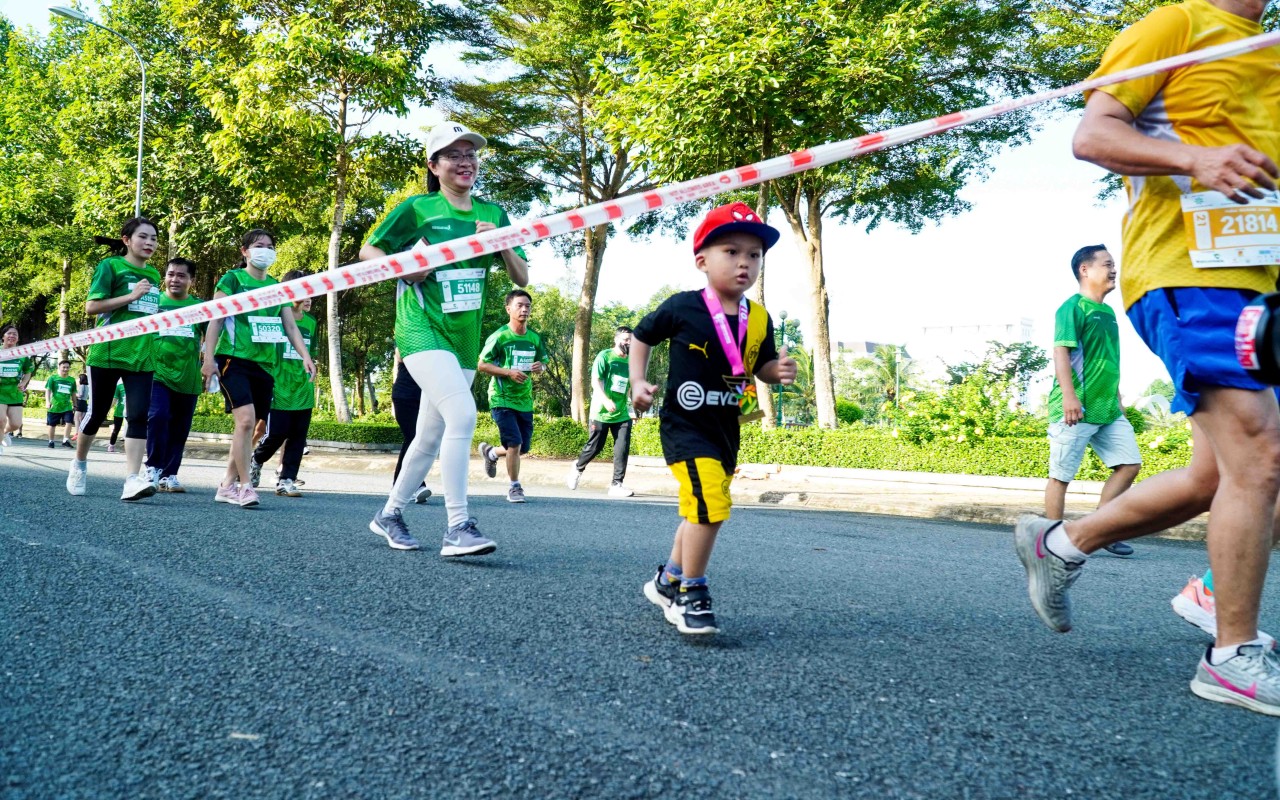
(1060, 545)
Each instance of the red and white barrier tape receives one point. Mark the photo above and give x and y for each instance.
(424, 256)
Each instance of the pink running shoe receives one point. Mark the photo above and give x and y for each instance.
(248, 496)
(111, 448)
(228, 494)
(1197, 606)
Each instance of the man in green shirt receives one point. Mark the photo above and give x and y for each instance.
(178, 382)
(610, 412)
(1084, 405)
(510, 355)
(59, 391)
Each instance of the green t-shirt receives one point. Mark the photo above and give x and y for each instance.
(11, 373)
(614, 372)
(177, 350)
(295, 391)
(119, 398)
(510, 350)
(444, 311)
(255, 334)
(115, 277)
(1090, 331)
(63, 391)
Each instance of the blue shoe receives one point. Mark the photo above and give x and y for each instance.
(464, 539)
(392, 528)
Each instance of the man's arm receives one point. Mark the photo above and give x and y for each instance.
(641, 390)
(1072, 411)
(1106, 137)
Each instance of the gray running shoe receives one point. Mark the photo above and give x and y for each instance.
(490, 460)
(515, 494)
(285, 487)
(1251, 678)
(1048, 577)
(422, 495)
(392, 527)
(464, 539)
(255, 473)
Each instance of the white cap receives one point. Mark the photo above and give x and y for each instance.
(446, 133)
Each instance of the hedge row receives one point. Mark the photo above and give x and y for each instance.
(854, 446)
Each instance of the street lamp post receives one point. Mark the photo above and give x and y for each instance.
(782, 315)
(80, 16)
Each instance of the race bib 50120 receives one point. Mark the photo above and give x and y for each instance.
(1222, 233)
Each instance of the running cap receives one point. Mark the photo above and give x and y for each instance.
(733, 217)
(446, 133)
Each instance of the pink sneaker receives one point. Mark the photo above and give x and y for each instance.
(111, 448)
(248, 496)
(1196, 605)
(228, 494)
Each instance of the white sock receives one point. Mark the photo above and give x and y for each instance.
(1060, 545)
(1220, 654)
(391, 507)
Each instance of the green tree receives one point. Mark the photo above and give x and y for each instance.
(294, 88)
(1160, 387)
(700, 82)
(548, 143)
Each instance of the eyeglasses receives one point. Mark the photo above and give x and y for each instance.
(460, 158)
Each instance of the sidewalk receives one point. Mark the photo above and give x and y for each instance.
(988, 500)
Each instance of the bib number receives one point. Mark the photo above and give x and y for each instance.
(10, 370)
(619, 383)
(64, 389)
(290, 352)
(181, 331)
(266, 330)
(1221, 233)
(522, 360)
(149, 303)
(461, 289)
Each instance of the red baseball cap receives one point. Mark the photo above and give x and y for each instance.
(733, 217)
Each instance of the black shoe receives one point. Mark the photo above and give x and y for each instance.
(659, 593)
(691, 611)
(1119, 549)
(490, 460)
(51, 444)
(68, 444)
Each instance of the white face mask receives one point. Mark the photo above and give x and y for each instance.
(262, 257)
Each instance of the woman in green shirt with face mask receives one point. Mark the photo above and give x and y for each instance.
(14, 375)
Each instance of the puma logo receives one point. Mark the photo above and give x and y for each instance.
(703, 348)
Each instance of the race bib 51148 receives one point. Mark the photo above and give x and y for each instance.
(1222, 233)
(461, 289)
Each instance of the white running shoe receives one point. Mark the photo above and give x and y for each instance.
(175, 485)
(1250, 678)
(8, 440)
(137, 487)
(618, 490)
(152, 474)
(77, 478)
(574, 477)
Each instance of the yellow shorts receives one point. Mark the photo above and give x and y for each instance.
(704, 490)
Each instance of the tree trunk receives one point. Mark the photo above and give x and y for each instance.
(763, 391)
(340, 408)
(594, 242)
(360, 407)
(373, 393)
(174, 227)
(808, 232)
(64, 313)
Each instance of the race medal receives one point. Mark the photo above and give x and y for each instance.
(1222, 233)
(740, 381)
(460, 289)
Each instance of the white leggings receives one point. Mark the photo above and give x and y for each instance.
(446, 423)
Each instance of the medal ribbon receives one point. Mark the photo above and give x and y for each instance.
(732, 349)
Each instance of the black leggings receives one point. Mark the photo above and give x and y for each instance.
(102, 390)
(288, 428)
(115, 428)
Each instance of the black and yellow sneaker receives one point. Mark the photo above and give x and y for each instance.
(691, 612)
(659, 593)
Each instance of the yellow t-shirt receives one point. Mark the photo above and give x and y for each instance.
(1230, 101)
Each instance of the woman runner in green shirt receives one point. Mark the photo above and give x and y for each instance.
(124, 288)
(244, 351)
(438, 318)
(14, 376)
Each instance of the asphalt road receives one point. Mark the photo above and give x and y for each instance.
(178, 648)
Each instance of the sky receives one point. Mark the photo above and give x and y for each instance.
(1006, 259)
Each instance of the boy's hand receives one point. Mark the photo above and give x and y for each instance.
(786, 368)
(642, 395)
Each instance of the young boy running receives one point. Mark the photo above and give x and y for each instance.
(59, 391)
(719, 339)
(117, 417)
(511, 354)
(292, 400)
(177, 384)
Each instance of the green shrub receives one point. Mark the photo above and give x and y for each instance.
(1136, 418)
(848, 411)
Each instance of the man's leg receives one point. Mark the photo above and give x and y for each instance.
(1121, 478)
(597, 435)
(1055, 498)
(158, 426)
(1067, 444)
(621, 450)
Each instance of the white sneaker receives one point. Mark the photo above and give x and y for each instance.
(175, 485)
(152, 476)
(162, 485)
(1250, 678)
(77, 478)
(574, 477)
(136, 487)
(618, 490)
(8, 439)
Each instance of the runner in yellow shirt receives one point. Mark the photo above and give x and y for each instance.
(1198, 148)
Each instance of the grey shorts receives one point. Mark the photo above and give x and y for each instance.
(1114, 443)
